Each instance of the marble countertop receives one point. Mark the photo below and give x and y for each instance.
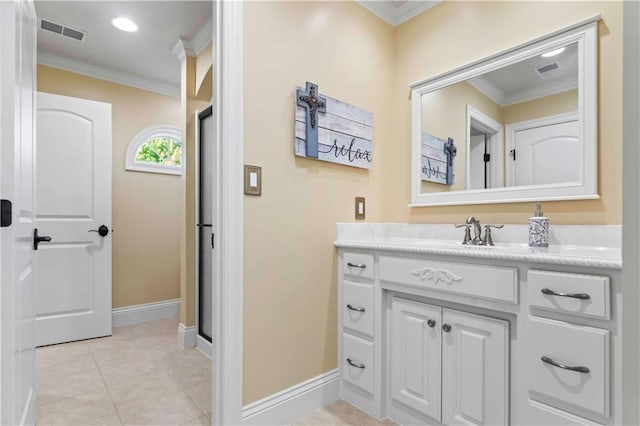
(603, 254)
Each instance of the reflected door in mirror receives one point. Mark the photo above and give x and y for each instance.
(546, 155)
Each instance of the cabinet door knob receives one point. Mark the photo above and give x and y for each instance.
(431, 323)
(446, 328)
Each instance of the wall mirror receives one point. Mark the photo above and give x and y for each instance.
(518, 126)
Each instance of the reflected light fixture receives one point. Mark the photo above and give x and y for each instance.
(125, 24)
(553, 53)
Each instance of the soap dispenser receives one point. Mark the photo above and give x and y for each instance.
(538, 229)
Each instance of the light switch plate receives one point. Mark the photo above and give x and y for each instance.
(360, 208)
(252, 180)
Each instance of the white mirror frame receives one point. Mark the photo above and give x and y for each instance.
(585, 33)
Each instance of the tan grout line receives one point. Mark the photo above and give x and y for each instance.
(115, 407)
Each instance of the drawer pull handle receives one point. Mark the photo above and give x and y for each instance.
(350, 307)
(355, 364)
(549, 361)
(357, 265)
(581, 296)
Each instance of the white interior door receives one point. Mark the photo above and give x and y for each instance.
(17, 140)
(73, 271)
(547, 154)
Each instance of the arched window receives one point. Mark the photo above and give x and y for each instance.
(156, 149)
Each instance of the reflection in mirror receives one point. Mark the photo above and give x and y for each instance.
(517, 126)
(513, 126)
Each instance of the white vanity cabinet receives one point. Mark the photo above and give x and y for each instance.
(479, 337)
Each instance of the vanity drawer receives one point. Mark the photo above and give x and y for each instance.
(358, 265)
(571, 346)
(584, 295)
(357, 362)
(486, 282)
(357, 307)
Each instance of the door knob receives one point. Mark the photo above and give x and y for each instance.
(102, 230)
(37, 239)
(446, 328)
(431, 323)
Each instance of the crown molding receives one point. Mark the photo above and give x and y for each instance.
(393, 15)
(182, 49)
(203, 37)
(196, 44)
(108, 74)
(488, 89)
(498, 96)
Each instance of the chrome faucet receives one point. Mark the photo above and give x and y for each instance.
(477, 230)
(478, 239)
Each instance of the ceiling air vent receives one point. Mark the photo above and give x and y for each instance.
(547, 70)
(62, 30)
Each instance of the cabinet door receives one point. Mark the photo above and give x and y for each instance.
(475, 369)
(416, 356)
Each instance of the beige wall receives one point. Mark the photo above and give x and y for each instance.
(290, 266)
(204, 73)
(559, 103)
(450, 35)
(146, 212)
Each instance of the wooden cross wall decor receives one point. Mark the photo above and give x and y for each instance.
(313, 104)
(327, 129)
(438, 157)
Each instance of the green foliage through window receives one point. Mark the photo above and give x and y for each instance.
(162, 150)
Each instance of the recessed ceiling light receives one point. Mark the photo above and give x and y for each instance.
(125, 24)
(553, 53)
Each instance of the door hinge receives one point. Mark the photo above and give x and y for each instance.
(213, 240)
(487, 158)
(5, 213)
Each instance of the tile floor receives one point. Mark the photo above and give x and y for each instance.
(138, 376)
(340, 413)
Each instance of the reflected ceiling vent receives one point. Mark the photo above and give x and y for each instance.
(62, 30)
(549, 70)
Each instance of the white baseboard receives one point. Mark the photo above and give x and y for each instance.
(204, 346)
(187, 336)
(288, 405)
(146, 312)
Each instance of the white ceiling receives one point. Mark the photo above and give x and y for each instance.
(520, 82)
(395, 12)
(143, 58)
